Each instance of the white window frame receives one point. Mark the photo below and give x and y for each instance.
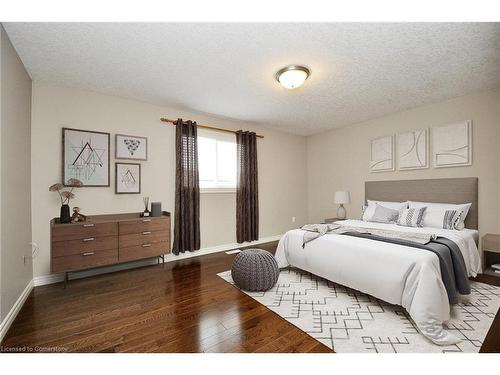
(219, 136)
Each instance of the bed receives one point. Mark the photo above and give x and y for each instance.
(392, 272)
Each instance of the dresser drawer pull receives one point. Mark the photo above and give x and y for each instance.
(146, 220)
(146, 232)
(88, 225)
(88, 239)
(146, 245)
(87, 254)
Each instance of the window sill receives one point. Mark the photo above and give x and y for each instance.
(217, 191)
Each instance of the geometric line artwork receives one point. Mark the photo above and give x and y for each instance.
(128, 178)
(87, 159)
(131, 147)
(413, 150)
(382, 154)
(349, 321)
(86, 156)
(452, 144)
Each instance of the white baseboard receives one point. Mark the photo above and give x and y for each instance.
(11, 316)
(58, 277)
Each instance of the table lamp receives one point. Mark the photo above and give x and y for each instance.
(341, 198)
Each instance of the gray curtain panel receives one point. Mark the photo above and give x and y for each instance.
(187, 189)
(247, 194)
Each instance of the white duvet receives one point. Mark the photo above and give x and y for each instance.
(394, 273)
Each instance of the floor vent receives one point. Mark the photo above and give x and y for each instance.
(233, 251)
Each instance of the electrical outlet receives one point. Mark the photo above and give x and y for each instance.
(34, 252)
(293, 219)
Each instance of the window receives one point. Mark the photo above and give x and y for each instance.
(216, 161)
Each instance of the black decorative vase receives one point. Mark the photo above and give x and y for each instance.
(65, 217)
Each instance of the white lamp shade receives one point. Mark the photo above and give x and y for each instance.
(342, 197)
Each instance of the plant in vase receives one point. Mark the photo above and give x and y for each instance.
(66, 196)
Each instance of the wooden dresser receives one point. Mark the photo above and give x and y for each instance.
(107, 239)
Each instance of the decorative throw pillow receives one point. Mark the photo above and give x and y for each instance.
(451, 219)
(465, 207)
(443, 219)
(411, 217)
(384, 215)
(369, 210)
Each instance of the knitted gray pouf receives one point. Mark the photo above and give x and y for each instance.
(255, 270)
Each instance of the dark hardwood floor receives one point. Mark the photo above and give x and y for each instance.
(181, 306)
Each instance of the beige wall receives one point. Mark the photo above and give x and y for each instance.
(339, 159)
(282, 166)
(15, 90)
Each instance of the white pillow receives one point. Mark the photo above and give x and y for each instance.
(436, 211)
(443, 219)
(392, 205)
(369, 210)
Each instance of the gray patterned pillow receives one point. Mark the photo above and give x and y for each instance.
(411, 217)
(384, 215)
(451, 219)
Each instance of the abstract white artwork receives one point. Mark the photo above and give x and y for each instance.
(382, 154)
(413, 149)
(452, 144)
(86, 157)
(128, 178)
(131, 147)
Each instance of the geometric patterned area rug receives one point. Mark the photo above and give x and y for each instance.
(349, 321)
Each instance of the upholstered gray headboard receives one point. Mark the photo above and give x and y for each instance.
(439, 190)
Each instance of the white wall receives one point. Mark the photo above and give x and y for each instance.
(282, 166)
(339, 159)
(15, 88)
(297, 175)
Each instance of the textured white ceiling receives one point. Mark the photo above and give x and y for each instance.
(359, 71)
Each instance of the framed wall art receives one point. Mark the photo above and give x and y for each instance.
(452, 145)
(128, 178)
(86, 157)
(413, 149)
(131, 147)
(382, 154)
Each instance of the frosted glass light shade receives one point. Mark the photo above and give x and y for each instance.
(342, 197)
(292, 77)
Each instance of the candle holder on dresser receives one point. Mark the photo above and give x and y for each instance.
(146, 212)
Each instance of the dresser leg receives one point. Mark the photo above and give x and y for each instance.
(65, 279)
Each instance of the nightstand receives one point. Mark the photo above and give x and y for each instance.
(332, 220)
(491, 253)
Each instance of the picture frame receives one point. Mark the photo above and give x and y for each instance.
(413, 149)
(131, 147)
(127, 178)
(86, 157)
(382, 154)
(452, 145)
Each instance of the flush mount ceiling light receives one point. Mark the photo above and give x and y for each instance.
(292, 76)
